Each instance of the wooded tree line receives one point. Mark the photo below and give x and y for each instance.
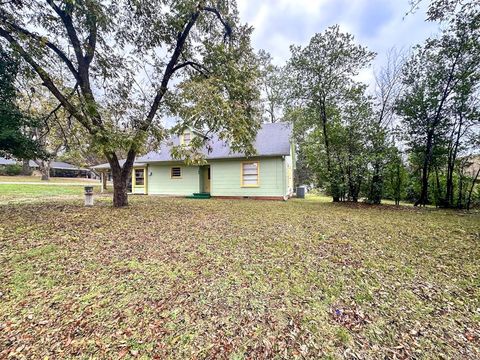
(415, 137)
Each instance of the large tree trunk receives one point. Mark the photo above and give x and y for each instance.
(120, 176)
(398, 186)
(331, 178)
(451, 164)
(120, 196)
(376, 186)
(425, 170)
(438, 189)
(44, 168)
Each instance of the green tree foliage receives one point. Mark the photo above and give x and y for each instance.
(322, 81)
(273, 88)
(445, 10)
(55, 130)
(120, 59)
(388, 88)
(13, 122)
(396, 176)
(439, 106)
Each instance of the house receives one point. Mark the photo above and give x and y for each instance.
(472, 166)
(267, 175)
(63, 169)
(7, 162)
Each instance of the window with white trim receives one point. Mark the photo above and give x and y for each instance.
(176, 172)
(250, 173)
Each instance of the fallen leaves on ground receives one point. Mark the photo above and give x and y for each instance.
(177, 278)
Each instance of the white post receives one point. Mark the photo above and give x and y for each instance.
(102, 187)
(88, 195)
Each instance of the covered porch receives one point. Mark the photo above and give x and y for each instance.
(137, 181)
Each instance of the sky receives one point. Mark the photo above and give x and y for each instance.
(378, 24)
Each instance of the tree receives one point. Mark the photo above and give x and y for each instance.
(434, 77)
(352, 149)
(396, 176)
(388, 87)
(474, 177)
(54, 129)
(464, 114)
(273, 88)
(303, 174)
(322, 74)
(119, 59)
(13, 140)
(444, 10)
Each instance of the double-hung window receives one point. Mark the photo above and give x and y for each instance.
(250, 174)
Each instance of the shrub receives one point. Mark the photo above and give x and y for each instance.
(11, 170)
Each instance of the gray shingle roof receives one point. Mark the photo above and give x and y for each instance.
(4, 161)
(271, 140)
(57, 165)
(54, 165)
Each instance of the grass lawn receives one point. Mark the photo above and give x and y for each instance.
(55, 180)
(182, 279)
(27, 193)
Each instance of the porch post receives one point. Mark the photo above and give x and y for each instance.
(104, 181)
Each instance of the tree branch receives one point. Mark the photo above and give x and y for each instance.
(198, 67)
(72, 34)
(172, 67)
(48, 43)
(169, 70)
(92, 36)
(47, 81)
(228, 28)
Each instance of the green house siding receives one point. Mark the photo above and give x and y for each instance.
(226, 178)
(274, 179)
(160, 182)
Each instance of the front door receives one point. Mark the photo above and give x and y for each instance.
(206, 179)
(139, 181)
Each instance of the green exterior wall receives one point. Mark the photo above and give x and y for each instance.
(160, 183)
(226, 178)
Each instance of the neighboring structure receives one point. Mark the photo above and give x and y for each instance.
(267, 175)
(473, 166)
(57, 168)
(63, 169)
(6, 162)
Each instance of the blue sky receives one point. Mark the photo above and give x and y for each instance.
(377, 24)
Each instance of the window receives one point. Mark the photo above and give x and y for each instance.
(250, 173)
(176, 172)
(139, 177)
(187, 137)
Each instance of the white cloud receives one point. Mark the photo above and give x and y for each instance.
(377, 24)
